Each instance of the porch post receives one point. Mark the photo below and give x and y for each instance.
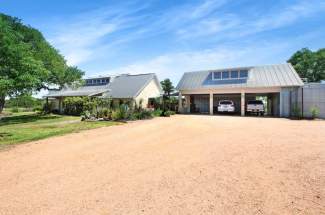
(211, 103)
(180, 107)
(60, 105)
(242, 106)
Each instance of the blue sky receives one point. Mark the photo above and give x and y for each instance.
(171, 37)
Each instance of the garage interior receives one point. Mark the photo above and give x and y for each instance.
(200, 103)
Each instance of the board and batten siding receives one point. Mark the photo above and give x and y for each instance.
(313, 96)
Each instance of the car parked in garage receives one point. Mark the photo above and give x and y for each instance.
(255, 106)
(226, 106)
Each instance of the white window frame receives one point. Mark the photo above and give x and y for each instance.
(216, 79)
(229, 77)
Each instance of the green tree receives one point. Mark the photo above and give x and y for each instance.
(309, 64)
(24, 100)
(28, 62)
(167, 87)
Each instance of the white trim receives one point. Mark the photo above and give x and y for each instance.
(229, 77)
(233, 90)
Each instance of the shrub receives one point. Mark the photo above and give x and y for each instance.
(85, 115)
(157, 112)
(296, 112)
(14, 110)
(38, 109)
(120, 113)
(314, 111)
(144, 114)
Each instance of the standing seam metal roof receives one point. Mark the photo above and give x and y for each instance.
(278, 75)
(123, 86)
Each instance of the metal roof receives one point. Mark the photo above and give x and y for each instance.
(123, 86)
(129, 86)
(279, 75)
(80, 91)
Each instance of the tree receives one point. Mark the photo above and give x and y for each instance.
(28, 62)
(309, 64)
(167, 87)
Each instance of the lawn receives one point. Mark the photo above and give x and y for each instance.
(24, 127)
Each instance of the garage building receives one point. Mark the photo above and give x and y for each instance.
(200, 92)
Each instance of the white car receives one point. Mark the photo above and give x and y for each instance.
(255, 106)
(226, 106)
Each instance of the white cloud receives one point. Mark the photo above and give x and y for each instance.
(81, 37)
(173, 65)
(288, 15)
(233, 25)
(98, 33)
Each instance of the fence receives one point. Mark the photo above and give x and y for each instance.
(309, 96)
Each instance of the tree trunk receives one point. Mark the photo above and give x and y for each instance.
(2, 102)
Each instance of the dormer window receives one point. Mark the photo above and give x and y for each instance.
(216, 75)
(232, 74)
(225, 75)
(243, 74)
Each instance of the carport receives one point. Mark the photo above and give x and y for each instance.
(272, 84)
(236, 98)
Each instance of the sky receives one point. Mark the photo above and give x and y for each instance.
(169, 37)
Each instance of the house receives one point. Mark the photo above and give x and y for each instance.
(120, 88)
(201, 91)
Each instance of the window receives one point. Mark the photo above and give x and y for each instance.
(234, 74)
(225, 75)
(216, 75)
(243, 74)
(255, 102)
(98, 81)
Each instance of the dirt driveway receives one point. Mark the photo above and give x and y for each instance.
(178, 165)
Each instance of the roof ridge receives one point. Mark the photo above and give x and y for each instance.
(237, 67)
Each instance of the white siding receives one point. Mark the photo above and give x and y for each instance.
(152, 90)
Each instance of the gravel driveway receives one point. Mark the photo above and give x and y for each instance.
(178, 165)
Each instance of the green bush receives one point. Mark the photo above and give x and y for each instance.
(38, 109)
(314, 111)
(120, 113)
(144, 114)
(14, 110)
(157, 112)
(296, 112)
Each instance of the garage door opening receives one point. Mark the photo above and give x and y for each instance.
(235, 98)
(271, 102)
(199, 104)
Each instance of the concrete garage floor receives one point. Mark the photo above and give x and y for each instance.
(178, 165)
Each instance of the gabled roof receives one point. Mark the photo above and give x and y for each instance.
(80, 91)
(123, 86)
(129, 86)
(279, 75)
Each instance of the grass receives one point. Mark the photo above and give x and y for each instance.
(19, 128)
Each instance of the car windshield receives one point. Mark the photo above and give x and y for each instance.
(225, 102)
(255, 102)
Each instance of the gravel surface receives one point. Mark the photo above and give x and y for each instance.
(178, 165)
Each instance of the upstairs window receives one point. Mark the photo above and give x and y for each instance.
(234, 74)
(231, 74)
(243, 74)
(225, 75)
(216, 75)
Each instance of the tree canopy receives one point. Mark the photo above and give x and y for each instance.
(167, 87)
(309, 64)
(28, 62)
